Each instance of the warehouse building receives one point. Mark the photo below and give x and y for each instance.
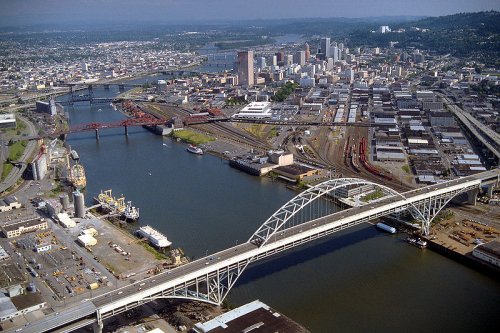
(18, 228)
(489, 252)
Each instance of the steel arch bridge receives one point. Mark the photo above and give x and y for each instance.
(305, 218)
(317, 203)
(283, 217)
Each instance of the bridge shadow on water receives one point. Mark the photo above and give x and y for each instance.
(307, 252)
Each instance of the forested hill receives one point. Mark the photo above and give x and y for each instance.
(467, 34)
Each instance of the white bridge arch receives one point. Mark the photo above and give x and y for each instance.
(279, 219)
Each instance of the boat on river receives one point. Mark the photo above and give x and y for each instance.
(194, 150)
(417, 241)
(77, 176)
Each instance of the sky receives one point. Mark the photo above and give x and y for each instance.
(31, 12)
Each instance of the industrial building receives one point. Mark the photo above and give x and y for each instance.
(259, 164)
(87, 240)
(65, 220)
(38, 167)
(18, 228)
(295, 171)
(489, 252)
(7, 120)
(252, 317)
(9, 203)
(11, 307)
(257, 110)
(47, 107)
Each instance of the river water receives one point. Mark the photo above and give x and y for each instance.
(360, 280)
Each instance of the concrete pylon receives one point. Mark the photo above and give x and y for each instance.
(472, 196)
(489, 190)
(97, 327)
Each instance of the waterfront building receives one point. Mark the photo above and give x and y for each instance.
(249, 317)
(295, 172)
(489, 252)
(46, 107)
(245, 68)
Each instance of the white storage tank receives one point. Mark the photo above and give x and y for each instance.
(79, 203)
(64, 199)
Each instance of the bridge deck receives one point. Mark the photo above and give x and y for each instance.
(183, 276)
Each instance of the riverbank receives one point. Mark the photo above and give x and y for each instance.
(206, 206)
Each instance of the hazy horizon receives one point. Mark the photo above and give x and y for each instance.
(34, 12)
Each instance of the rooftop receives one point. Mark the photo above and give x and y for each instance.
(493, 248)
(252, 317)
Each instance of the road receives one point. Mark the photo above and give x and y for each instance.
(490, 138)
(186, 275)
(17, 171)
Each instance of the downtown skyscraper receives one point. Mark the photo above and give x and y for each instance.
(245, 68)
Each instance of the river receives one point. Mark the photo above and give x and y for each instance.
(360, 280)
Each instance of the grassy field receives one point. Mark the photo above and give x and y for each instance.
(192, 137)
(7, 168)
(16, 150)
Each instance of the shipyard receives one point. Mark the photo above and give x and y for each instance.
(213, 180)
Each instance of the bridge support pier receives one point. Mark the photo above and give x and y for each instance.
(97, 134)
(472, 196)
(97, 327)
(489, 190)
(91, 94)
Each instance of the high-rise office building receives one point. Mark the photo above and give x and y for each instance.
(300, 58)
(245, 68)
(324, 45)
(281, 57)
(262, 63)
(335, 53)
(308, 51)
(275, 60)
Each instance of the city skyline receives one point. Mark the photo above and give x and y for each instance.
(32, 12)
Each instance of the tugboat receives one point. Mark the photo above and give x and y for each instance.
(194, 150)
(417, 241)
(131, 213)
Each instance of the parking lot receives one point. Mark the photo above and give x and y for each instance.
(57, 267)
